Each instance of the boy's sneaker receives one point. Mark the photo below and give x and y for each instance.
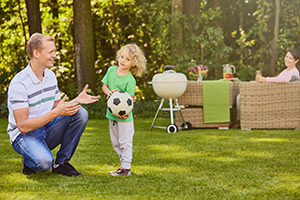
(66, 169)
(115, 171)
(26, 170)
(122, 172)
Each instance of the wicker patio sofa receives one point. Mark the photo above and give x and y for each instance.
(269, 105)
(192, 100)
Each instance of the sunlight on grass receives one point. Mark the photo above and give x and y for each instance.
(268, 139)
(20, 195)
(94, 168)
(204, 164)
(255, 154)
(13, 160)
(225, 159)
(289, 181)
(154, 168)
(183, 155)
(89, 128)
(178, 152)
(175, 152)
(167, 148)
(217, 137)
(17, 178)
(97, 169)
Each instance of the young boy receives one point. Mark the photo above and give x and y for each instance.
(131, 61)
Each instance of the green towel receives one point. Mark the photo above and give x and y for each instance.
(216, 106)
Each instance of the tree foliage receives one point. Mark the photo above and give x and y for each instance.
(239, 32)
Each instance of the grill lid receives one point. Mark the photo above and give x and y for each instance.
(168, 77)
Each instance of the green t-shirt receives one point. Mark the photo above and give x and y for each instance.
(124, 83)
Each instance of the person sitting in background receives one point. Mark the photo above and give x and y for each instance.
(291, 60)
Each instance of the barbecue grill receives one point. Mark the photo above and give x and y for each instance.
(170, 85)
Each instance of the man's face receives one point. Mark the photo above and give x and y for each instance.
(46, 54)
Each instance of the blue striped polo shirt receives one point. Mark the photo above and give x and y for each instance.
(27, 91)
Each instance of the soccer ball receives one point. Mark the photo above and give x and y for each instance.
(120, 103)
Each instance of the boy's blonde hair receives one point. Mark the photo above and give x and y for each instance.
(139, 60)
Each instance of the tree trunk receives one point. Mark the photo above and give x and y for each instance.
(34, 16)
(23, 25)
(84, 44)
(177, 33)
(54, 9)
(114, 44)
(274, 44)
(241, 6)
(55, 15)
(217, 6)
(241, 27)
(191, 9)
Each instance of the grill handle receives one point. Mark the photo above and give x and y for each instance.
(169, 67)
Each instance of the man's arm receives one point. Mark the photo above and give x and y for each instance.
(84, 98)
(26, 124)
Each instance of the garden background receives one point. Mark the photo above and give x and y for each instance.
(194, 164)
(248, 34)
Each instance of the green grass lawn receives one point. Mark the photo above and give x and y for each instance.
(197, 164)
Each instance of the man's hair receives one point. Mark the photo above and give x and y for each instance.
(35, 42)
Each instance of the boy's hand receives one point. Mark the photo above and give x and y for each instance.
(124, 117)
(110, 93)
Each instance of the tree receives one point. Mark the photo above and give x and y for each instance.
(276, 32)
(191, 10)
(84, 44)
(34, 16)
(177, 33)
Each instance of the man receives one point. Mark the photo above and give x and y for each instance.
(39, 120)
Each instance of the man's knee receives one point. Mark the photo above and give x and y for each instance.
(83, 115)
(44, 164)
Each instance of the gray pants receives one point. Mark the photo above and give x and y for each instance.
(121, 135)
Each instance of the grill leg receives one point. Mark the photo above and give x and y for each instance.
(178, 108)
(171, 110)
(156, 114)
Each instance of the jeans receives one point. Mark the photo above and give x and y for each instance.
(36, 146)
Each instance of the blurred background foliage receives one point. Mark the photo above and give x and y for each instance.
(239, 32)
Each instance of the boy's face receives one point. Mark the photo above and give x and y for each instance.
(125, 60)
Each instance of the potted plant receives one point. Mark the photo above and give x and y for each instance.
(198, 71)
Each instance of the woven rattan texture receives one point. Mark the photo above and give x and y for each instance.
(195, 117)
(270, 105)
(193, 94)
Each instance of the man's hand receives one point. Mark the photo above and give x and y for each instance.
(84, 98)
(64, 108)
(26, 124)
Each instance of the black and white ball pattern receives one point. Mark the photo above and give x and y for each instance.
(120, 103)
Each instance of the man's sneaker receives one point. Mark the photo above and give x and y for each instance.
(122, 172)
(66, 169)
(115, 171)
(26, 170)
